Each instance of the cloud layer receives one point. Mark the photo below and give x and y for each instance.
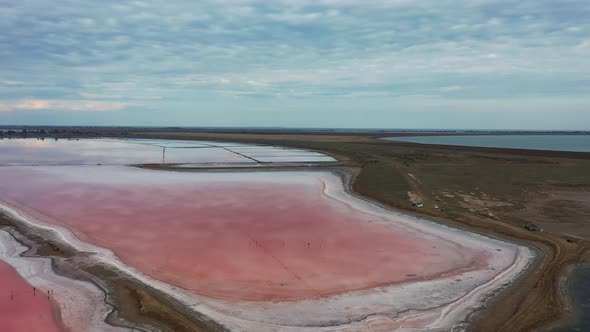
(297, 63)
(60, 104)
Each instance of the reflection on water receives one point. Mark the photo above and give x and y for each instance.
(75, 152)
(16, 152)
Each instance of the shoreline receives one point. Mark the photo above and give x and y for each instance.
(573, 310)
(477, 312)
(551, 244)
(346, 181)
(532, 292)
(508, 151)
(80, 305)
(84, 261)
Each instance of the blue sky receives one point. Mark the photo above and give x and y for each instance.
(306, 63)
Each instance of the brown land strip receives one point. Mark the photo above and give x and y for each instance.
(85, 130)
(509, 176)
(447, 175)
(135, 304)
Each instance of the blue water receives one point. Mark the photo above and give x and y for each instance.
(578, 143)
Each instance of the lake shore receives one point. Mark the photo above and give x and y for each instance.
(510, 310)
(107, 259)
(562, 143)
(77, 305)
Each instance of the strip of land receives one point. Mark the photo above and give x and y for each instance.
(462, 181)
(411, 271)
(489, 191)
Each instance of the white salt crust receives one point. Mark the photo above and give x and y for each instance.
(439, 304)
(81, 304)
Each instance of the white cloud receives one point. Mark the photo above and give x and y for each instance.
(11, 83)
(111, 96)
(187, 52)
(452, 88)
(61, 105)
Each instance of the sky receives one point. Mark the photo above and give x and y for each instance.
(480, 64)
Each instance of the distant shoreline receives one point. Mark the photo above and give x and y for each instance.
(375, 132)
(535, 301)
(544, 142)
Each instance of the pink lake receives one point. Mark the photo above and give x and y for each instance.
(22, 308)
(253, 236)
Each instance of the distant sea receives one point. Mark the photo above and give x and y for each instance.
(577, 143)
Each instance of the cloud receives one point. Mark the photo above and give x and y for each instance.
(174, 54)
(11, 83)
(86, 95)
(452, 88)
(61, 105)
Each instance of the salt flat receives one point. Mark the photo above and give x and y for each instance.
(15, 152)
(35, 298)
(266, 250)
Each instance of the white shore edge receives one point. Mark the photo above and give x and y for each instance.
(81, 304)
(440, 304)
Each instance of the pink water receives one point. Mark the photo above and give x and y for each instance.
(21, 307)
(246, 236)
